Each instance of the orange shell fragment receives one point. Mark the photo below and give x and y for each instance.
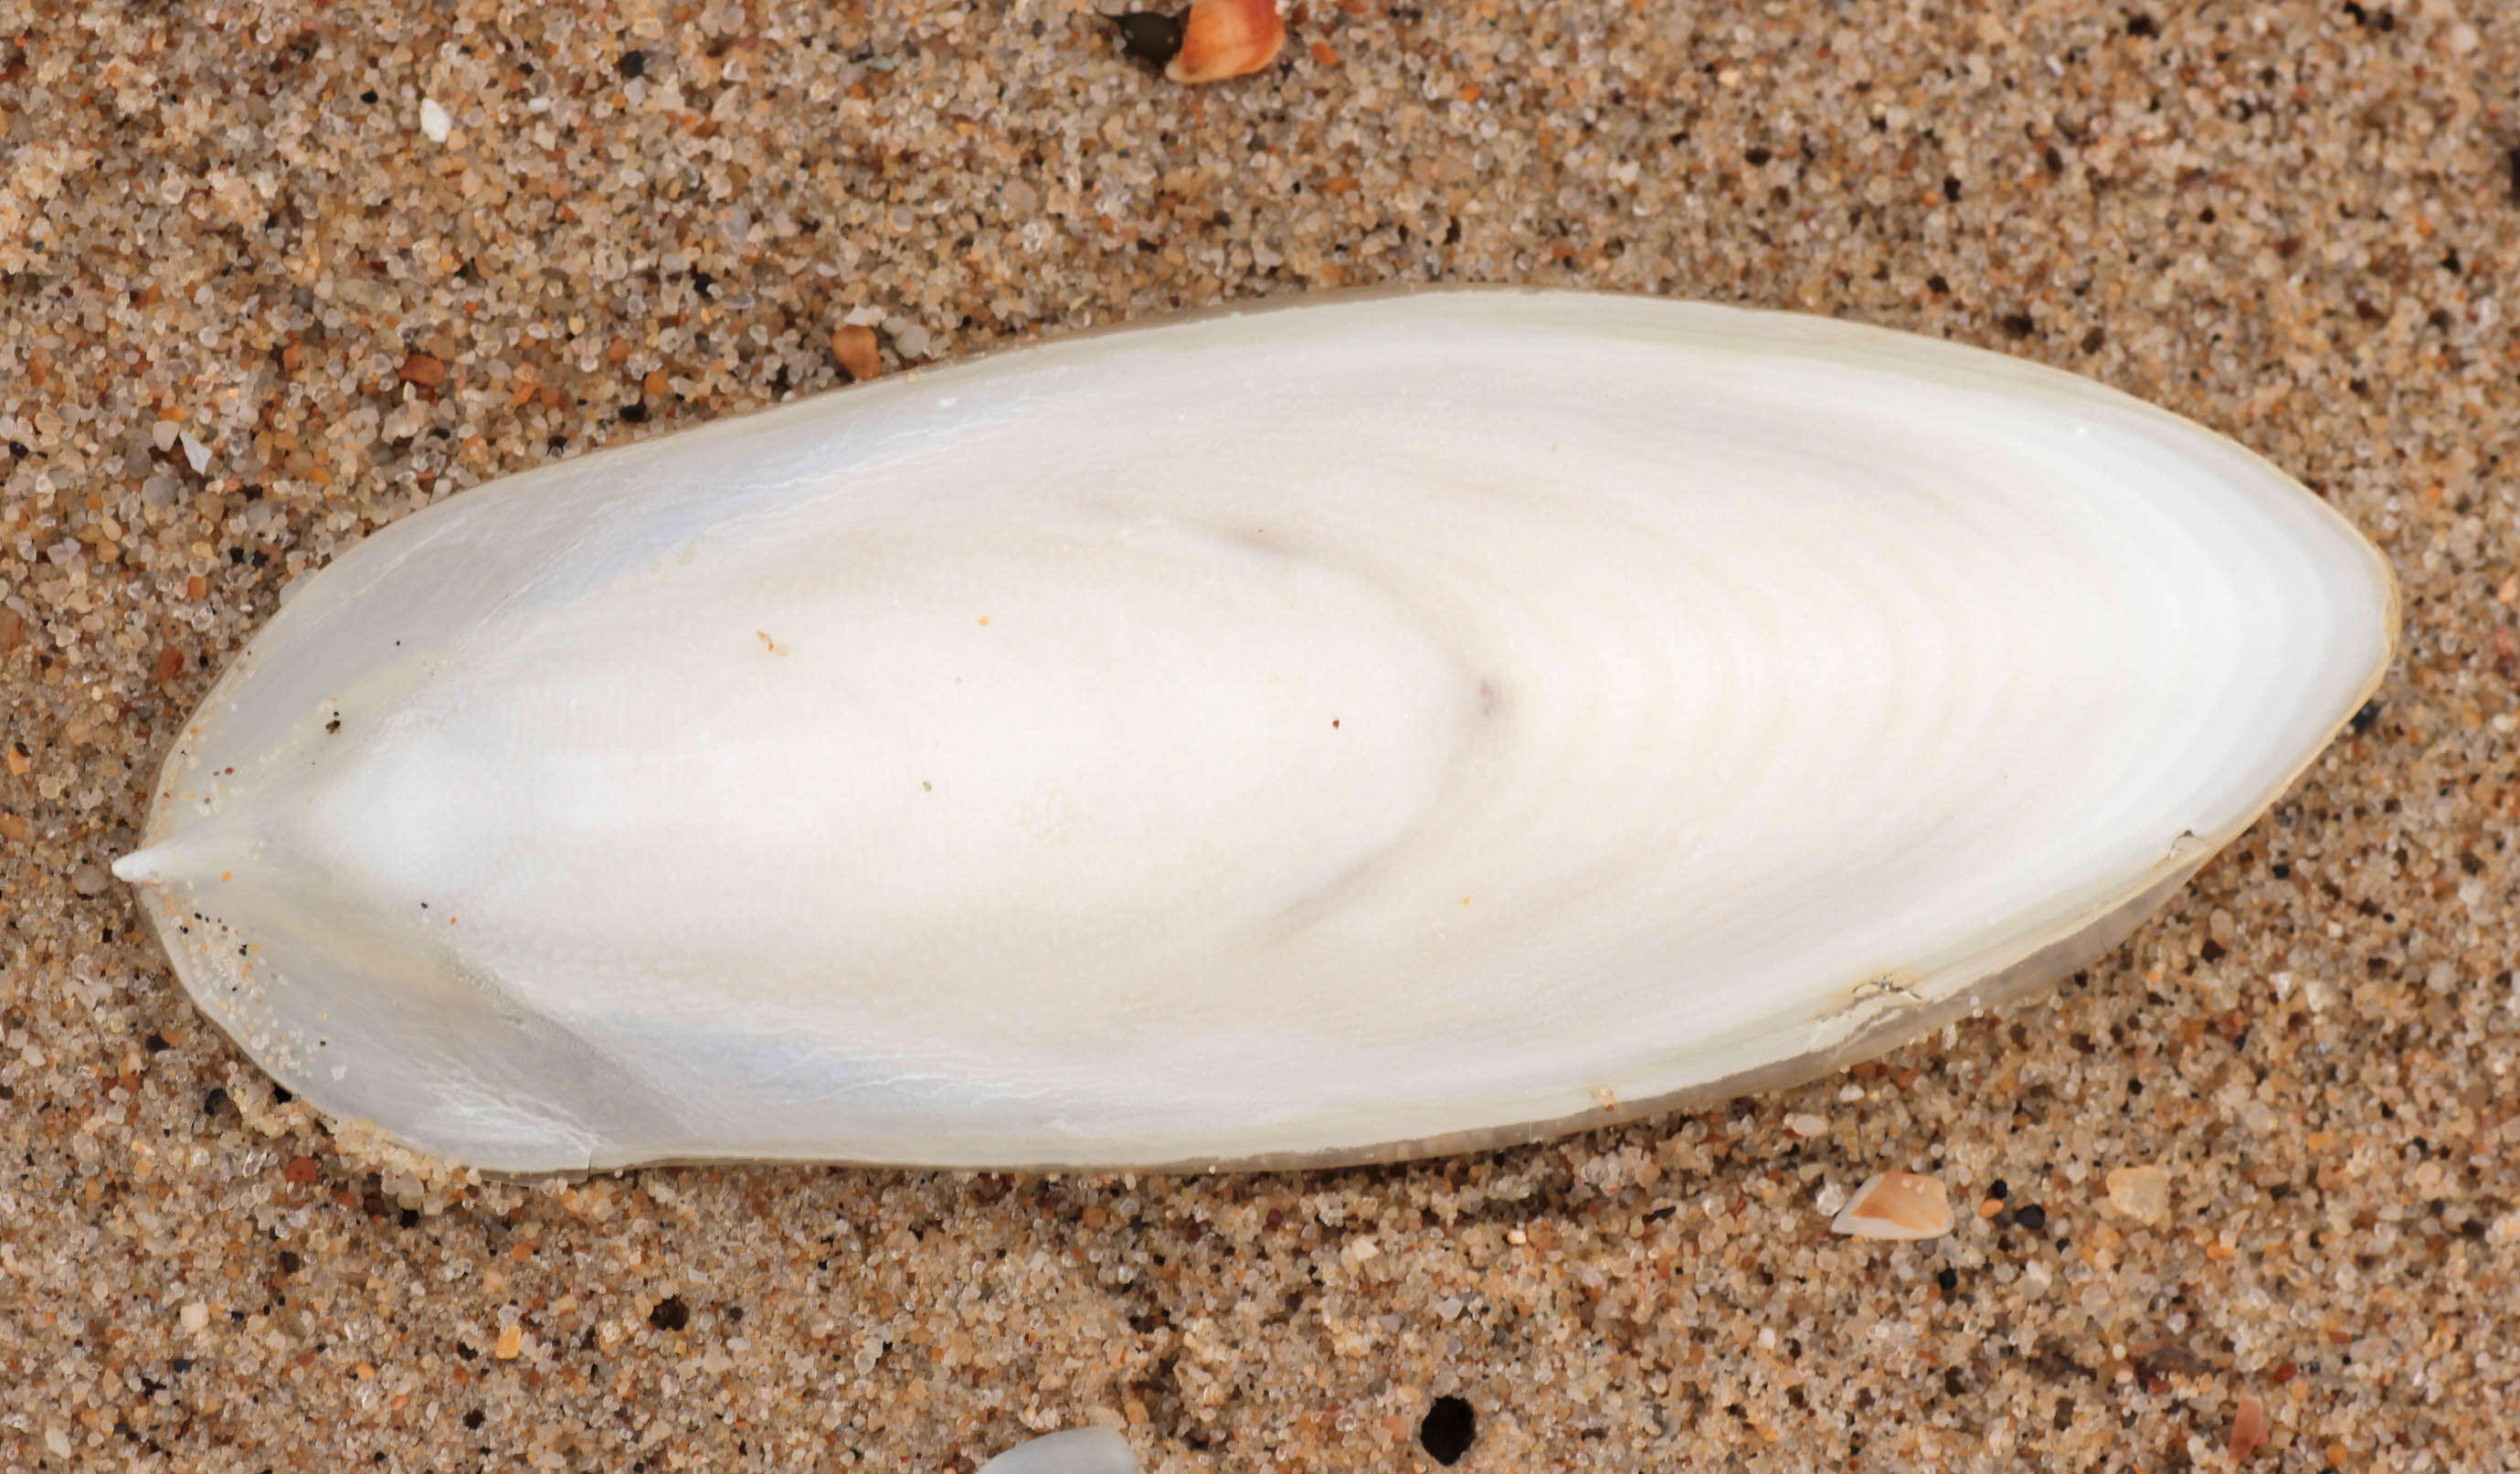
(1228, 39)
(1897, 1205)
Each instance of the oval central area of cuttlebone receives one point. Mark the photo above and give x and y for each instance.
(1002, 753)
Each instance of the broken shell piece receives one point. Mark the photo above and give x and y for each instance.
(1079, 1450)
(1896, 1205)
(1228, 39)
(2251, 1429)
(1364, 728)
(2141, 1194)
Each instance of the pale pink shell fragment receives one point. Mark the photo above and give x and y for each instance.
(1897, 1205)
(2251, 1429)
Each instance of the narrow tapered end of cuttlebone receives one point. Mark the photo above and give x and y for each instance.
(153, 866)
(195, 856)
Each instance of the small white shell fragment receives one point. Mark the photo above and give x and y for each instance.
(1371, 728)
(1896, 1205)
(1078, 1450)
(435, 121)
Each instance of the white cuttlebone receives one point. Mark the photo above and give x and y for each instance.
(1330, 733)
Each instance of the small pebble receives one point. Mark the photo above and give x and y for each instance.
(1896, 1205)
(88, 881)
(511, 1343)
(196, 1317)
(911, 338)
(854, 345)
(1150, 36)
(1807, 1125)
(435, 121)
(2141, 1194)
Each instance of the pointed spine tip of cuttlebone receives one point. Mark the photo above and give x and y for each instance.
(142, 866)
(168, 861)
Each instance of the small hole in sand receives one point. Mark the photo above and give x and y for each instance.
(1449, 1429)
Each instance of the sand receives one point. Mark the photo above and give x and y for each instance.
(274, 274)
